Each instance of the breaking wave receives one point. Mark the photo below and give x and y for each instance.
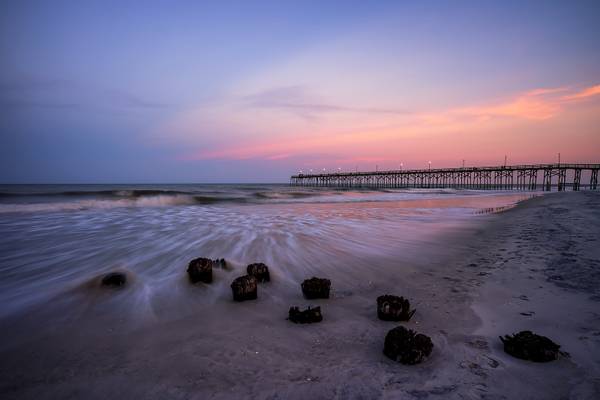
(49, 198)
(154, 201)
(134, 193)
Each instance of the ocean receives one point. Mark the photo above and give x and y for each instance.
(55, 238)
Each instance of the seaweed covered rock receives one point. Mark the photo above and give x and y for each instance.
(200, 270)
(244, 288)
(114, 279)
(308, 316)
(394, 308)
(260, 271)
(407, 346)
(316, 288)
(529, 346)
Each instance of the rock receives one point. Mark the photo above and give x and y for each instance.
(407, 346)
(260, 271)
(200, 270)
(316, 288)
(308, 316)
(527, 345)
(393, 308)
(114, 279)
(220, 263)
(244, 288)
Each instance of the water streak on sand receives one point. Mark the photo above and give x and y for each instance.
(49, 245)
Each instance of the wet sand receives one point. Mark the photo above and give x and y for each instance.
(536, 267)
(542, 268)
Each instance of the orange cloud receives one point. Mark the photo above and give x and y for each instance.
(339, 135)
(537, 104)
(584, 94)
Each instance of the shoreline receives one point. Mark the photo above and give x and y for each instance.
(465, 288)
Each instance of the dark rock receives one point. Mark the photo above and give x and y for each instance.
(527, 345)
(114, 279)
(394, 308)
(528, 314)
(406, 346)
(200, 270)
(308, 316)
(260, 271)
(316, 288)
(244, 288)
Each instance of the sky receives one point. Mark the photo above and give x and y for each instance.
(249, 91)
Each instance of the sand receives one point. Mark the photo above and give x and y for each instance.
(536, 266)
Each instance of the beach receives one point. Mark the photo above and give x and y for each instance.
(474, 265)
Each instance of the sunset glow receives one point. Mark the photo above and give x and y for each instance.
(538, 107)
(376, 85)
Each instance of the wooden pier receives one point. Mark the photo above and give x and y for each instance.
(506, 177)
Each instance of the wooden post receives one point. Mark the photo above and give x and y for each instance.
(576, 179)
(547, 179)
(562, 177)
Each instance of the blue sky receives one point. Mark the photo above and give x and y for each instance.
(178, 91)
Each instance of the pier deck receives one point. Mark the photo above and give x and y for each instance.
(505, 177)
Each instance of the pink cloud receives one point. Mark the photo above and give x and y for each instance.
(278, 157)
(378, 142)
(584, 94)
(538, 104)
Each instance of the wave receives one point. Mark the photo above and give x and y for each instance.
(43, 200)
(284, 195)
(125, 193)
(153, 201)
(217, 199)
(131, 201)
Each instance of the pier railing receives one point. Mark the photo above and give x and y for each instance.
(505, 177)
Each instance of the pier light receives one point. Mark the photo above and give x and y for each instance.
(429, 164)
(401, 165)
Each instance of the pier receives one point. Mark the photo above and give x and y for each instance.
(506, 177)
